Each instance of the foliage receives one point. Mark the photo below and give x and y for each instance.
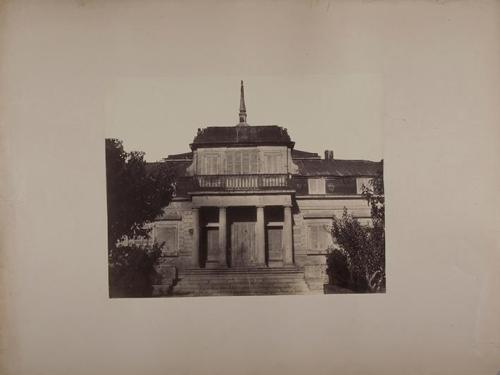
(338, 266)
(136, 195)
(131, 270)
(360, 251)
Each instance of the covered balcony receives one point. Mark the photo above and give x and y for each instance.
(242, 182)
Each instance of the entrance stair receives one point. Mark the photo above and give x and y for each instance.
(240, 282)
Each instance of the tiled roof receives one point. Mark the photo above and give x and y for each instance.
(298, 154)
(241, 136)
(183, 156)
(338, 168)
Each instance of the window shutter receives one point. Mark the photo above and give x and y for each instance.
(278, 164)
(316, 185)
(319, 237)
(230, 162)
(168, 236)
(237, 162)
(254, 163)
(313, 237)
(245, 162)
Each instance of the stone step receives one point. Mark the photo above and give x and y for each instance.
(242, 285)
(241, 281)
(239, 293)
(236, 271)
(196, 291)
(214, 278)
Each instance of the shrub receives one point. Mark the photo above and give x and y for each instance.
(358, 261)
(132, 270)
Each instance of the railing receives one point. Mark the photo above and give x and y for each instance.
(237, 182)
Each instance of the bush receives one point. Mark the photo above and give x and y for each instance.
(338, 268)
(132, 270)
(358, 262)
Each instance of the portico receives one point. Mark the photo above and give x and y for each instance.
(232, 231)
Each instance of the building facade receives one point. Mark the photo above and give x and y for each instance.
(251, 214)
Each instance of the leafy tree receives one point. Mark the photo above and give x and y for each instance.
(136, 195)
(361, 249)
(132, 270)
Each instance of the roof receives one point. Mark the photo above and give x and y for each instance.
(183, 156)
(298, 154)
(177, 167)
(214, 136)
(339, 168)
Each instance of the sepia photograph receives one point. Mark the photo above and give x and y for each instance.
(244, 211)
(249, 187)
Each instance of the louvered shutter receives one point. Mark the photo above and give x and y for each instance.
(254, 162)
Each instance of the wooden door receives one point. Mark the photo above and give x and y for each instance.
(212, 243)
(243, 252)
(275, 243)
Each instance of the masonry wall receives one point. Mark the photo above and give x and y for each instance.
(313, 217)
(177, 214)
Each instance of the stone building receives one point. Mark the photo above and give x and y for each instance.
(252, 214)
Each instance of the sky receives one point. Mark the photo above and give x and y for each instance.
(307, 66)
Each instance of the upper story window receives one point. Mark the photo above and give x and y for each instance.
(242, 162)
(334, 185)
(274, 162)
(211, 164)
(362, 181)
(316, 185)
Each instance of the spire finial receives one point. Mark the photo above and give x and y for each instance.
(243, 109)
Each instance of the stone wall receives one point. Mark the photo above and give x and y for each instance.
(306, 212)
(311, 211)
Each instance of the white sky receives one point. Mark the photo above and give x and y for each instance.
(310, 67)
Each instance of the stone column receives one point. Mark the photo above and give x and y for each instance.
(222, 236)
(260, 239)
(287, 237)
(196, 238)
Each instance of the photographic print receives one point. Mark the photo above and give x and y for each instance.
(250, 187)
(243, 211)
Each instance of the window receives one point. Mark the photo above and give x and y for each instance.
(211, 164)
(316, 185)
(319, 237)
(168, 235)
(241, 162)
(360, 181)
(274, 162)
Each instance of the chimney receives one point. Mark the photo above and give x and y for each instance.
(328, 154)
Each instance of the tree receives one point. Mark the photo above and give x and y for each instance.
(136, 195)
(360, 249)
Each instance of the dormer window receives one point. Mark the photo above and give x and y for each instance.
(316, 185)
